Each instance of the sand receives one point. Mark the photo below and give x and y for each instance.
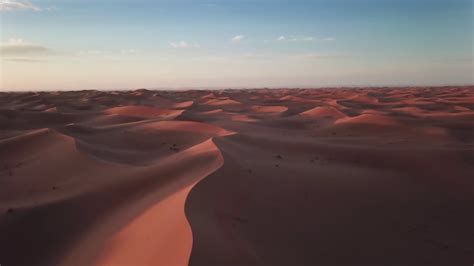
(363, 176)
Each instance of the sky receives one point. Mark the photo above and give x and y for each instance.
(125, 44)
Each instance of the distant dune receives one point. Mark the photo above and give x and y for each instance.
(366, 176)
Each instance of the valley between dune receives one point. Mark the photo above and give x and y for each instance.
(238, 177)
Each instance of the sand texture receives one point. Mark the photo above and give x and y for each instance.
(361, 176)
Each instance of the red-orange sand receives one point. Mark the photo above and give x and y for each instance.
(364, 176)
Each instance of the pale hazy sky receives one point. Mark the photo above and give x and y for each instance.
(84, 44)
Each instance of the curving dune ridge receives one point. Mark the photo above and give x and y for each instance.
(331, 176)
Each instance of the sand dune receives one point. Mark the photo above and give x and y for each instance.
(51, 110)
(221, 101)
(183, 105)
(215, 111)
(325, 111)
(269, 109)
(155, 229)
(143, 111)
(370, 118)
(333, 176)
(243, 118)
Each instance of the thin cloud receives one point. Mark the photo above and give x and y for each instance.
(19, 47)
(239, 57)
(317, 56)
(303, 39)
(24, 60)
(183, 44)
(93, 52)
(237, 38)
(295, 39)
(253, 56)
(129, 51)
(12, 5)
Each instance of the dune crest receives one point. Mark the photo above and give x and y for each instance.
(243, 118)
(161, 234)
(269, 109)
(323, 111)
(183, 105)
(51, 110)
(221, 101)
(211, 112)
(143, 111)
(368, 118)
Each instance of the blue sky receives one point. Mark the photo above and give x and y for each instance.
(51, 44)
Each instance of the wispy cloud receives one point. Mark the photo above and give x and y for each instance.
(24, 60)
(19, 47)
(129, 51)
(237, 38)
(237, 57)
(318, 56)
(93, 52)
(252, 56)
(12, 5)
(303, 39)
(183, 44)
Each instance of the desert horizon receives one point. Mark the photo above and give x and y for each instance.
(236, 132)
(249, 88)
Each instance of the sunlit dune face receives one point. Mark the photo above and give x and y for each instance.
(143, 111)
(269, 109)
